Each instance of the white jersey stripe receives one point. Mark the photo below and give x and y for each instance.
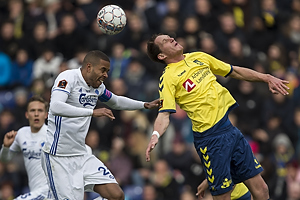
(49, 172)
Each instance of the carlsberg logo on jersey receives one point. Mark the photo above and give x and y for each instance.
(31, 154)
(90, 100)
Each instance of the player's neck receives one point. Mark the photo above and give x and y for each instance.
(175, 59)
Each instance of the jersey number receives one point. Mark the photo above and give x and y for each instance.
(104, 171)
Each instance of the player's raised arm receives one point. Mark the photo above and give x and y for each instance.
(276, 85)
(160, 126)
(5, 154)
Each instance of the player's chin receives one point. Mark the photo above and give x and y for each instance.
(97, 84)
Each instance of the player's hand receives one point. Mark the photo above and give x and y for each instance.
(277, 85)
(9, 138)
(151, 145)
(103, 112)
(201, 189)
(152, 104)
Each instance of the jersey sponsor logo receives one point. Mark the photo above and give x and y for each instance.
(189, 85)
(88, 100)
(62, 84)
(199, 75)
(31, 154)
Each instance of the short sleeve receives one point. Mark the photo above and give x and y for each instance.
(64, 82)
(218, 67)
(167, 94)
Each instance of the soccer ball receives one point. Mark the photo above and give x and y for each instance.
(111, 19)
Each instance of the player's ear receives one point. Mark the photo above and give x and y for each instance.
(88, 67)
(26, 115)
(161, 56)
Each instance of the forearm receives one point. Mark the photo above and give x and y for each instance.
(5, 154)
(124, 103)
(247, 74)
(162, 122)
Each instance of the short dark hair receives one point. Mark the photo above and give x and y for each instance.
(153, 49)
(94, 56)
(40, 99)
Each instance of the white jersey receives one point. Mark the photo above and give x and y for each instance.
(66, 135)
(30, 144)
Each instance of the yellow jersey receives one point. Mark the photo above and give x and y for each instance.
(192, 84)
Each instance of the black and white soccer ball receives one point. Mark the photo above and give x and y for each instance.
(111, 19)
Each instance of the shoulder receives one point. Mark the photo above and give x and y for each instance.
(23, 132)
(66, 76)
(69, 72)
(24, 129)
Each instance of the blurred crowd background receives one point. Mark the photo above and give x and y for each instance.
(41, 38)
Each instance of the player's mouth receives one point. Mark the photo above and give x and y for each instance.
(36, 120)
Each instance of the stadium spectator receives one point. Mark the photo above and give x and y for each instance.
(22, 67)
(39, 42)
(69, 32)
(47, 66)
(164, 182)
(5, 67)
(9, 44)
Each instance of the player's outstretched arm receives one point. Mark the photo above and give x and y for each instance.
(276, 85)
(125, 103)
(160, 126)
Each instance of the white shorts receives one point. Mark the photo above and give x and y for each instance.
(69, 176)
(40, 194)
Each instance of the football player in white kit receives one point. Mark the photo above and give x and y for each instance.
(69, 169)
(29, 140)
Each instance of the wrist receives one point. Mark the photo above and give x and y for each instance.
(156, 133)
(145, 105)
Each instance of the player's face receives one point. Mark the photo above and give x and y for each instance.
(36, 114)
(168, 46)
(99, 74)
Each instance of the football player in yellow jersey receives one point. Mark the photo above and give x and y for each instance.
(239, 192)
(189, 80)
